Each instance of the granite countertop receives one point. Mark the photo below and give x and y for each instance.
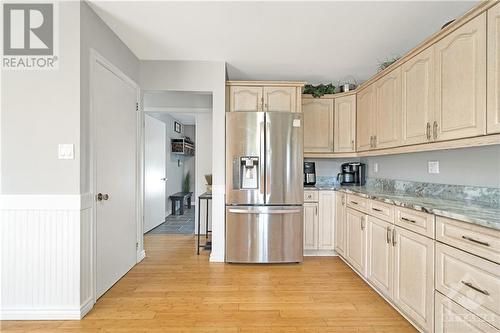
(474, 212)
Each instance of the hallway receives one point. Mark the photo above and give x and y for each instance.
(174, 290)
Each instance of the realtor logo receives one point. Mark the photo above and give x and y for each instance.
(28, 36)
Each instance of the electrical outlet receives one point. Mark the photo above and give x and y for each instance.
(433, 166)
(65, 151)
(375, 167)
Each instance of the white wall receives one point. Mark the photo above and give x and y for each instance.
(189, 162)
(205, 76)
(39, 110)
(203, 167)
(478, 166)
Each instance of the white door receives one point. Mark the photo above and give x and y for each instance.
(155, 145)
(114, 108)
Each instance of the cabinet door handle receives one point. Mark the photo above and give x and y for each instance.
(394, 237)
(354, 202)
(374, 141)
(475, 241)
(428, 131)
(408, 220)
(376, 209)
(388, 235)
(316, 210)
(435, 130)
(479, 290)
(371, 141)
(363, 223)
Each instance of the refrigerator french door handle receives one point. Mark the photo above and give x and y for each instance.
(262, 167)
(254, 211)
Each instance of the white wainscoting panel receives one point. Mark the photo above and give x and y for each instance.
(40, 251)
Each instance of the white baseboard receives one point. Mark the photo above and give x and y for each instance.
(141, 255)
(86, 307)
(320, 253)
(216, 258)
(41, 314)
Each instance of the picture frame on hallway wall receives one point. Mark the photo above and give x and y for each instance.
(177, 127)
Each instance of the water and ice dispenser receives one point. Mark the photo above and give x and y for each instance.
(247, 172)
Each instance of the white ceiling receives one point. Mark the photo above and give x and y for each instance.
(182, 117)
(301, 40)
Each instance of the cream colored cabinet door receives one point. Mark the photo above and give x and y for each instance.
(414, 276)
(460, 101)
(452, 318)
(356, 240)
(493, 118)
(340, 220)
(282, 99)
(388, 110)
(345, 124)
(417, 76)
(318, 125)
(379, 264)
(326, 228)
(245, 98)
(365, 117)
(310, 226)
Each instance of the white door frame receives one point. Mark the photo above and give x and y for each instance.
(98, 59)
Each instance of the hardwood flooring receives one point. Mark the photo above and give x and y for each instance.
(174, 290)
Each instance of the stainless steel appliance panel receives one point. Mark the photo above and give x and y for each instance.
(284, 159)
(264, 234)
(244, 151)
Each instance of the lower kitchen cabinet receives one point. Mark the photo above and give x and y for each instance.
(340, 227)
(356, 240)
(452, 318)
(319, 226)
(380, 255)
(414, 276)
(310, 226)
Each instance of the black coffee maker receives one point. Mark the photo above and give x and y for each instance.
(309, 174)
(352, 173)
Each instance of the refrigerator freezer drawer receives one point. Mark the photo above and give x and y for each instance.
(264, 234)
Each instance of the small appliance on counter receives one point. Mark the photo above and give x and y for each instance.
(309, 174)
(352, 173)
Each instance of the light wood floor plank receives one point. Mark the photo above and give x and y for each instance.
(174, 290)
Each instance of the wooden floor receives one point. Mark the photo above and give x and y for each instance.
(173, 290)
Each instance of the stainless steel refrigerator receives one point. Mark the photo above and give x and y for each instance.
(264, 187)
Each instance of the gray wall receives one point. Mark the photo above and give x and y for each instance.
(95, 34)
(479, 166)
(189, 162)
(39, 110)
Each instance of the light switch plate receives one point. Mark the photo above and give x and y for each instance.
(433, 166)
(66, 151)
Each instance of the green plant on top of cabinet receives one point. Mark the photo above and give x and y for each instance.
(460, 73)
(318, 124)
(344, 140)
(493, 117)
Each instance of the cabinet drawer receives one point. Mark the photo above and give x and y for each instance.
(484, 242)
(472, 282)
(419, 222)
(452, 318)
(310, 195)
(381, 210)
(357, 202)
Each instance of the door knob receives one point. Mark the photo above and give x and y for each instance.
(164, 179)
(101, 196)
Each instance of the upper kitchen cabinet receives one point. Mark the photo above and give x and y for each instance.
(264, 96)
(365, 118)
(460, 101)
(388, 110)
(318, 124)
(344, 140)
(417, 98)
(493, 117)
(281, 99)
(245, 99)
